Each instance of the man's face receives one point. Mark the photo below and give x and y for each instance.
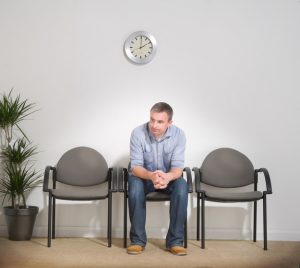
(159, 122)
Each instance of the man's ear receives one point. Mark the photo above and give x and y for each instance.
(170, 122)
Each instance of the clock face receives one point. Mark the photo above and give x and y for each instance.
(140, 47)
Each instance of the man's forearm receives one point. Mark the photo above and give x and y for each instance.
(141, 172)
(157, 176)
(175, 173)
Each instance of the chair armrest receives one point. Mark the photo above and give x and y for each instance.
(114, 179)
(189, 179)
(197, 174)
(122, 179)
(267, 179)
(46, 178)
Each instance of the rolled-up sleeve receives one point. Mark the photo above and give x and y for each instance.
(136, 151)
(177, 160)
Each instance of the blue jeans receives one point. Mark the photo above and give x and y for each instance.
(137, 191)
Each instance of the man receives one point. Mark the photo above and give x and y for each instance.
(156, 164)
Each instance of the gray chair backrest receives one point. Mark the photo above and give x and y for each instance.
(82, 166)
(227, 168)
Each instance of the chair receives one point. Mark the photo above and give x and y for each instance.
(80, 174)
(151, 197)
(224, 169)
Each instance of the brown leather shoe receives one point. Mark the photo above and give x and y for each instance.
(177, 250)
(135, 249)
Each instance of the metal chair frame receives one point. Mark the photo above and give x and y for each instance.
(201, 195)
(51, 171)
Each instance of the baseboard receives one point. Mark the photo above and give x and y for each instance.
(160, 233)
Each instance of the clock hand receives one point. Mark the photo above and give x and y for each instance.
(135, 49)
(141, 46)
(141, 42)
(145, 45)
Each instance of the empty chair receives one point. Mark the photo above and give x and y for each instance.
(80, 174)
(225, 169)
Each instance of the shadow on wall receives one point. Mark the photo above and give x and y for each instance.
(89, 219)
(77, 218)
(228, 222)
(157, 219)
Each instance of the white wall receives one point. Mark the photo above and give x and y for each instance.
(230, 69)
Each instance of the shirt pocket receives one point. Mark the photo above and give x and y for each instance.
(168, 148)
(148, 157)
(148, 154)
(167, 155)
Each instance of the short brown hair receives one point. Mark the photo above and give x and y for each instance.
(163, 107)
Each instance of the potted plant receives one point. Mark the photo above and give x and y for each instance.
(17, 174)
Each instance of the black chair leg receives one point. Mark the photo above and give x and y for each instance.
(49, 219)
(53, 217)
(125, 221)
(109, 223)
(254, 220)
(202, 222)
(185, 233)
(265, 221)
(198, 216)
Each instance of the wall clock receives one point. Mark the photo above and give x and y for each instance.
(140, 47)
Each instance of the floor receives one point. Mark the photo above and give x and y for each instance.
(93, 252)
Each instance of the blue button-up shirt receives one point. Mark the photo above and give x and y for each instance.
(153, 155)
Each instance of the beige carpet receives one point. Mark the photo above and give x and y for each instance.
(92, 252)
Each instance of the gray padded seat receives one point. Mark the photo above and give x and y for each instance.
(157, 196)
(80, 174)
(233, 197)
(226, 171)
(81, 193)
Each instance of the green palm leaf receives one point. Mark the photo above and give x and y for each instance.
(18, 176)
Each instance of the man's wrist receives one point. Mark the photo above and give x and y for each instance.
(170, 177)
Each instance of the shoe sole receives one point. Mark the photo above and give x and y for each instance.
(134, 252)
(178, 254)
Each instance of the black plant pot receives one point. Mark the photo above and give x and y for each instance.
(20, 222)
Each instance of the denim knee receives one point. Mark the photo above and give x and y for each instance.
(135, 188)
(180, 187)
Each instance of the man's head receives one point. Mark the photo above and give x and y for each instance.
(161, 115)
